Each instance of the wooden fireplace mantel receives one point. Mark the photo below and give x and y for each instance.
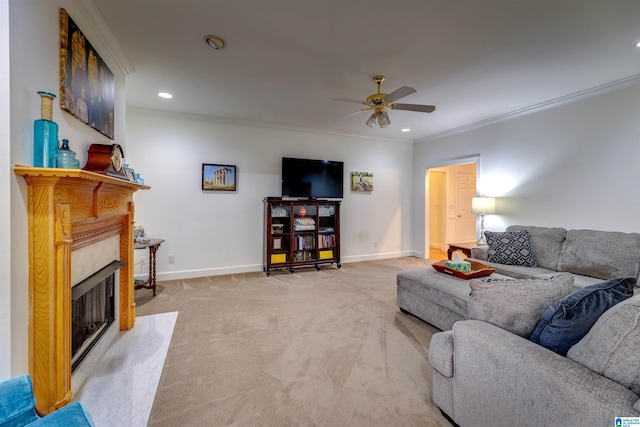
(69, 209)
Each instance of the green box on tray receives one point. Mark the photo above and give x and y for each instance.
(459, 265)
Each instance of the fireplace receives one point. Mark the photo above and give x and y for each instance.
(79, 222)
(92, 311)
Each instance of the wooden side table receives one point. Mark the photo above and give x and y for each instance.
(464, 247)
(153, 246)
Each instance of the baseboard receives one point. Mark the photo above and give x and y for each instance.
(252, 268)
(205, 272)
(375, 257)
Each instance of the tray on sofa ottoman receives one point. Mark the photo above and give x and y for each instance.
(477, 270)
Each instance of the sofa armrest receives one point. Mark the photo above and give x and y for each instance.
(441, 353)
(503, 379)
(480, 253)
(17, 403)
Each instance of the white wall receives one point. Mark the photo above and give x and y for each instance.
(573, 166)
(5, 209)
(219, 233)
(34, 66)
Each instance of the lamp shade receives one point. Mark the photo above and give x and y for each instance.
(383, 119)
(483, 205)
(372, 120)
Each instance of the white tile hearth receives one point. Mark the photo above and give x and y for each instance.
(121, 390)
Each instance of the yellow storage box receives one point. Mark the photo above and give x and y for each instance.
(276, 258)
(326, 254)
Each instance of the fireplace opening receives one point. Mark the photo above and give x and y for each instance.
(92, 311)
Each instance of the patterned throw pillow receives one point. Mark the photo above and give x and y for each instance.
(510, 248)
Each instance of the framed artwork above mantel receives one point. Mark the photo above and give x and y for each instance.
(87, 85)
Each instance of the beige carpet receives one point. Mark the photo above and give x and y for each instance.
(313, 348)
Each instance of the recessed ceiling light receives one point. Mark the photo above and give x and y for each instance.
(165, 95)
(215, 42)
(638, 44)
(405, 130)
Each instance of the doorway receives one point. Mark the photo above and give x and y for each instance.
(449, 218)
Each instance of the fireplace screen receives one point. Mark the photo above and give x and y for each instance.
(92, 310)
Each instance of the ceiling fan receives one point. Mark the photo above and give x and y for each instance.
(379, 102)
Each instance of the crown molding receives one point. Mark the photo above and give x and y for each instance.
(556, 102)
(249, 123)
(100, 26)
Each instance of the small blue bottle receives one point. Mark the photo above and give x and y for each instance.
(67, 157)
(45, 134)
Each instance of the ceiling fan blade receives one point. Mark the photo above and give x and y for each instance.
(350, 100)
(414, 107)
(355, 113)
(399, 93)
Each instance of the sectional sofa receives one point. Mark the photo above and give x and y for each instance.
(590, 256)
(487, 372)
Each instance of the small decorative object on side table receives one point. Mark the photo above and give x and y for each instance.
(153, 245)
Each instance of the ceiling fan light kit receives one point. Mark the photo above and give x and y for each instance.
(372, 120)
(383, 119)
(379, 102)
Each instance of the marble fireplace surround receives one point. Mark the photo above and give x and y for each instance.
(85, 216)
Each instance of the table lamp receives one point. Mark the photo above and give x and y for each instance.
(483, 206)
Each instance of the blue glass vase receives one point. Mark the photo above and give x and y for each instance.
(45, 134)
(67, 157)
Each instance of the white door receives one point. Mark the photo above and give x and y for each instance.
(465, 228)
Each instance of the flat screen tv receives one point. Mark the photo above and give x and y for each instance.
(312, 178)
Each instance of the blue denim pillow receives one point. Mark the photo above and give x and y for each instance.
(569, 319)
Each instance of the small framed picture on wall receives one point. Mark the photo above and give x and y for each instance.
(218, 177)
(361, 181)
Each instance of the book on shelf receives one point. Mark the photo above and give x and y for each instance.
(304, 255)
(327, 241)
(304, 242)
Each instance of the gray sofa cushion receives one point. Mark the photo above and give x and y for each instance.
(518, 271)
(610, 348)
(579, 281)
(546, 244)
(569, 319)
(516, 305)
(602, 254)
(511, 248)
